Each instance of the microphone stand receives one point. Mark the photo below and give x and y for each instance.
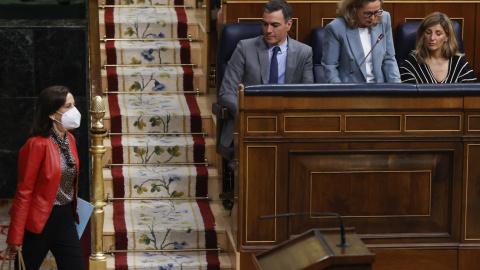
(343, 242)
(356, 70)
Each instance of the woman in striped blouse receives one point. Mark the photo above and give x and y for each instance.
(436, 58)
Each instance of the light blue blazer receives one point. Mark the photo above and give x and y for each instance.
(343, 53)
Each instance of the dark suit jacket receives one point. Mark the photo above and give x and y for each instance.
(250, 65)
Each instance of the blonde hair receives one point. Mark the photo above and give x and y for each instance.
(346, 10)
(449, 47)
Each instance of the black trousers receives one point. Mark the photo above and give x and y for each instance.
(59, 236)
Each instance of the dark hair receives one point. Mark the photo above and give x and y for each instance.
(49, 101)
(276, 5)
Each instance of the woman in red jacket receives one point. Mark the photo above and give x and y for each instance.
(44, 208)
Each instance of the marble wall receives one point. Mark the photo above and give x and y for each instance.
(33, 56)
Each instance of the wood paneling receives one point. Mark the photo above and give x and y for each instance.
(433, 123)
(260, 189)
(468, 257)
(410, 194)
(297, 123)
(472, 189)
(411, 190)
(416, 259)
(473, 123)
(263, 124)
(389, 193)
(372, 123)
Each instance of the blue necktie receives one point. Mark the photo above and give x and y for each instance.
(274, 66)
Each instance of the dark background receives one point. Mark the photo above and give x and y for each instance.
(42, 43)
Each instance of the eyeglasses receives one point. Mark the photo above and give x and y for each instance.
(370, 14)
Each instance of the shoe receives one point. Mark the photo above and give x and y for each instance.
(227, 204)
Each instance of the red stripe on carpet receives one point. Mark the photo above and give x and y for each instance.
(198, 148)
(121, 240)
(201, 186)
(115, 117)
(109, 22)
(209, 223)
(213, 260)
(195, 117)
(118, 182)
(182, 26)
(187, 78)
(111, 52)
(185, 56)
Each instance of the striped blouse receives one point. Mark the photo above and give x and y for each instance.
(459, 71)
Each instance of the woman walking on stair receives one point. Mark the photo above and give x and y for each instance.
(44, 208)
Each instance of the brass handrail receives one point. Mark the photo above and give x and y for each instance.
(206, 164)
(189, 38)
(108, 199)
(105, 66)
(150, 92)
(197, 91)
(111, 252)
(157, 133)
(143, 6)
(149, 39)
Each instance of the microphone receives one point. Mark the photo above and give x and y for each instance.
(343, 243)
(356, 70)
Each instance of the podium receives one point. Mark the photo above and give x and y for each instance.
(317, 249)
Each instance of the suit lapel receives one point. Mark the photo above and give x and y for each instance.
(375, 31)
(291, 61)
(356, 48)
(263, 59)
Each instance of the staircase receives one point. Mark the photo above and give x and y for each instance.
(160, 169)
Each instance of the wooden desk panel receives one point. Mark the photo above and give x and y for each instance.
(402, 170)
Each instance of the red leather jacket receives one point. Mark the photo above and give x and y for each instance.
(39, 174)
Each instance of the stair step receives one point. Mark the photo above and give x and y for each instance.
(149, 52)
(214, 183)
(199, 79)
(210, 151)
(192, 26)
(220, 226)
(190, 3)
(224, 259)
(204, 104)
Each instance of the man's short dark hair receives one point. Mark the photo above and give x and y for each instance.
(276, 5)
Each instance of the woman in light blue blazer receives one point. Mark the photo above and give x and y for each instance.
(360, 26)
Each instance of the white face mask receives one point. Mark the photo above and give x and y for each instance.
(70, 119)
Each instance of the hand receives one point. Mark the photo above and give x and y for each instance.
(14, 247)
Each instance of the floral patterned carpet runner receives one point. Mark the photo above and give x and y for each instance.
(163, 165)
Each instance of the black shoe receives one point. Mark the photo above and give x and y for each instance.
(227, 204)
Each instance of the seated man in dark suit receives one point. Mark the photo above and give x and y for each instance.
(271, 58)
